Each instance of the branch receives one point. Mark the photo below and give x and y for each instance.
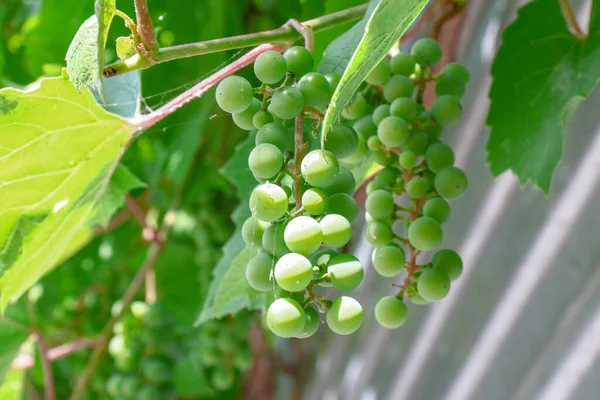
(285, 35)
(145, 28)
(26, 361)
(49, 392)
(571, 19)
(299, 150)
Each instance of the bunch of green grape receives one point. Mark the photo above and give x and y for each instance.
(418, 166)
(303, 200)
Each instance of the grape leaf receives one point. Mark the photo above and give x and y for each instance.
(105, 11)
(13, 385)
(82, 56)
(11, 338)
(542, 71)
(379, 30)
(58, 151)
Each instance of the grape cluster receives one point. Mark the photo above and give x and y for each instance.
(302, 207)
(417, 164)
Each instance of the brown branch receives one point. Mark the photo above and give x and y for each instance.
(305, 31)
(145, 28)
(136, 210)
(26, 361)
(571, 19)
(49, 392)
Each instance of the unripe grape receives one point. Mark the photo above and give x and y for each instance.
(276, 134)
(408, 159)
(388, 175)
(418, 142)
(383, 158)
(244, 119)
(334, 80)
(268, 202)
(449, 85)
(344, 183)
(265, 161)
(376, 185)
(457, 70)
(253, 230)
(404, 107)
(390, 312)
(336, 229)
(242, 358)
(149, 393)
(315, 89)
(155, 370)
(311, 323)
(425, 233)
(261, 118)
(388, 261)
(380, 113)
(319, 168)
(451, 183)
(322, 257)
(365, 126)
(417, 187)
(285, 318)
(446, 110)
(358, 156)
(234, 94)
(393, 131)
(415, 298)
(341, 140)
(397, 86)
(273, 241)
(299, 61)
(380, 204)
(287, 103)
(303, 235)
(449, 261)
(117, 346)
(437, 208)
(356, 108)
(433, 284)
(345, 205)
(426, 52)
(345, 271)
(403, 64)
(374, 143)
(344, 316)
(380, 74)
(315, 201)
(379, 233)
(293, 272)
(222, 378)
(439, 156)
(258, 272)
(270, 67)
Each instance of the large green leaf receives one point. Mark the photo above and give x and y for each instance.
(82, 55)
(58, 151)
(376, 33)
(11, 338)
(542, 71)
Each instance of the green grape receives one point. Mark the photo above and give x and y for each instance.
(366, 126)
(358, 156)
(130, 385)
(433, 284)
(374, 143)
(345, 271)
(448, 261)
(426, 52)
(285, 318)
(446, 110)
(253, 230)
(456, 70)
(451, 183)
(379, 233)
(418, 143)
(156, 370)
(273, 241)
(287, 103)
(429, 178)
(244, 119)
(276, 134)
(439, 156)
(380, 204)
(258, 272)
(397, 86)
(433, 130)
(265, 161)
(270, 67)
(383, 158)
(388, 261)
(415, 298)
(334, 80)
(417, 187)
(345, 205)
(140, 310)
(322, 257)
(336, 230)
(268, 202)
(315, 201)
(376, 185)
(344, 316)
(242, 358)
(393, 131)
(408, 159)
(113, 384)
(311, 323)
(390, 312)
(425, 233)
(403, 64)
(234, 94)
(342, 141)
(449, 85)
(299, 61)
(261, 118)
(344, 183)
(303, 235)
(388, 175)
(356, 108)
(126, 361)
(404, 107)
(227, 343)
(117, 346)
(319, 168)
(148, 392)
(437, 208)
(315, 89)
(211, 356)
(380, 74)
(222, 378)
(380, 113)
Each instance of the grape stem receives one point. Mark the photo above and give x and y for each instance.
(145, 28)
(26, 361)
(49, 392)
(300, 148)
(305, 31)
